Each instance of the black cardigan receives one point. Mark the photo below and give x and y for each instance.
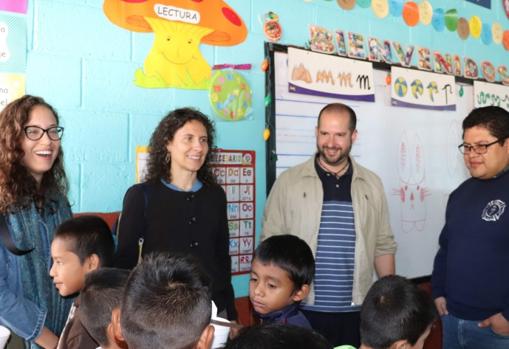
(184, 222)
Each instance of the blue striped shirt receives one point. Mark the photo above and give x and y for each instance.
(335, 254)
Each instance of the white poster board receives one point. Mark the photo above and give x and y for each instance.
(423, 174)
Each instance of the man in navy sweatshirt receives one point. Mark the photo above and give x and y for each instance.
(471, 270)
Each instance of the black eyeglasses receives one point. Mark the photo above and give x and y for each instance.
(477, 148)
(34, 133)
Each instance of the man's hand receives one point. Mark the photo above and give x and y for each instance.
(498, 324)
(441, 305)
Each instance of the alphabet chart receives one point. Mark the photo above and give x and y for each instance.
(235, 172)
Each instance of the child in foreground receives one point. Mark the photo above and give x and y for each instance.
(100, 299)
(80, 245)
(281, 274)
(396, 314)
(166, 304)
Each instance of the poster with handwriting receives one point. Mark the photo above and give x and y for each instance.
(486, 94)
(318, 74)
(12, 86)
(13, 44)
(412, 88)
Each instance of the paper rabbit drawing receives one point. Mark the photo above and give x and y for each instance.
(412, 190)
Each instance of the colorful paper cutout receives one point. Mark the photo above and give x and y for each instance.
(438, 19)
(396, 7)
(486, 34)
(505, 40)
(341, 43)
(364, 3)
(425, 12)
(346, 4)
(271, 28)
(411, 13)
(463, 28)
(380, 8)
(442, 64)
(488, 71)
(379, 51)
(230, 95)
(321, 40)
(475, 25)
(356, 46)
(179, 27)
(504, 74)
(19, 6)
(451, 19)
(404, 56)
(497, 32)
(424, 62)
(471, 68)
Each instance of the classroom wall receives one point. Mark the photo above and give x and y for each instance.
(84, 65)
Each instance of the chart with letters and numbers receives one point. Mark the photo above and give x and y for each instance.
(234, 170)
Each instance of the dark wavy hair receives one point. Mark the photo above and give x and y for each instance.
(158, 166)
(17, 186)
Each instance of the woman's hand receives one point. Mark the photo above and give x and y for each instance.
(47, 339)
(441, 305)
(498, 324)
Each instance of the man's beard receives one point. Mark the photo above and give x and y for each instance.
(337, 159)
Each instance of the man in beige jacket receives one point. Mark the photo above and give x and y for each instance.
(339, 208)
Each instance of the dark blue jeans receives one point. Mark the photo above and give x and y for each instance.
(465, 334)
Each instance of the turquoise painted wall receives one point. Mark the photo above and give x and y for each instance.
(83, 65)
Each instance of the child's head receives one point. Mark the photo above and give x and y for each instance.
(281, 273)
(102, 294)
(80, 245)
(277, 336)
(166, 304)
(396, 314)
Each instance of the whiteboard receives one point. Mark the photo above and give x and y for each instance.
(414, 152)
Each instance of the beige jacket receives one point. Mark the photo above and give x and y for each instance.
(294, 206)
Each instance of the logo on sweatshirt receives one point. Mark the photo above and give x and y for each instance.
(493, 210)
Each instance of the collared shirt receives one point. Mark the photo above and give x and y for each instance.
(335, 254)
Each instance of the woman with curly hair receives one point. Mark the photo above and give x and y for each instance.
(33, 202)
(179, 207)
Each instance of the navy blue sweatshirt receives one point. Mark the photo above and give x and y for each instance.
(289, 315)
(471, 268)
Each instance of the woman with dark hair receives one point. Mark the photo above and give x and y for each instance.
(179, 207)
(33, 202)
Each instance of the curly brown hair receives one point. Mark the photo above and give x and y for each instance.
(17, 186)
(158, 166)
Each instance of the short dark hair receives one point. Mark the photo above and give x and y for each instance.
(340, 108)
(166, 303)
(277, 336)
(395, 309)
(88, 235)
(101, 294)
(494, 119)
(291, 254)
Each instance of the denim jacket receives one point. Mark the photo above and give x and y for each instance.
(22, 283)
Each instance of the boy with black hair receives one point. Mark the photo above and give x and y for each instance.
(277, 336)
(281, 274)
(102, 295)
(166, 304)
(80, 245)
(396, 314)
